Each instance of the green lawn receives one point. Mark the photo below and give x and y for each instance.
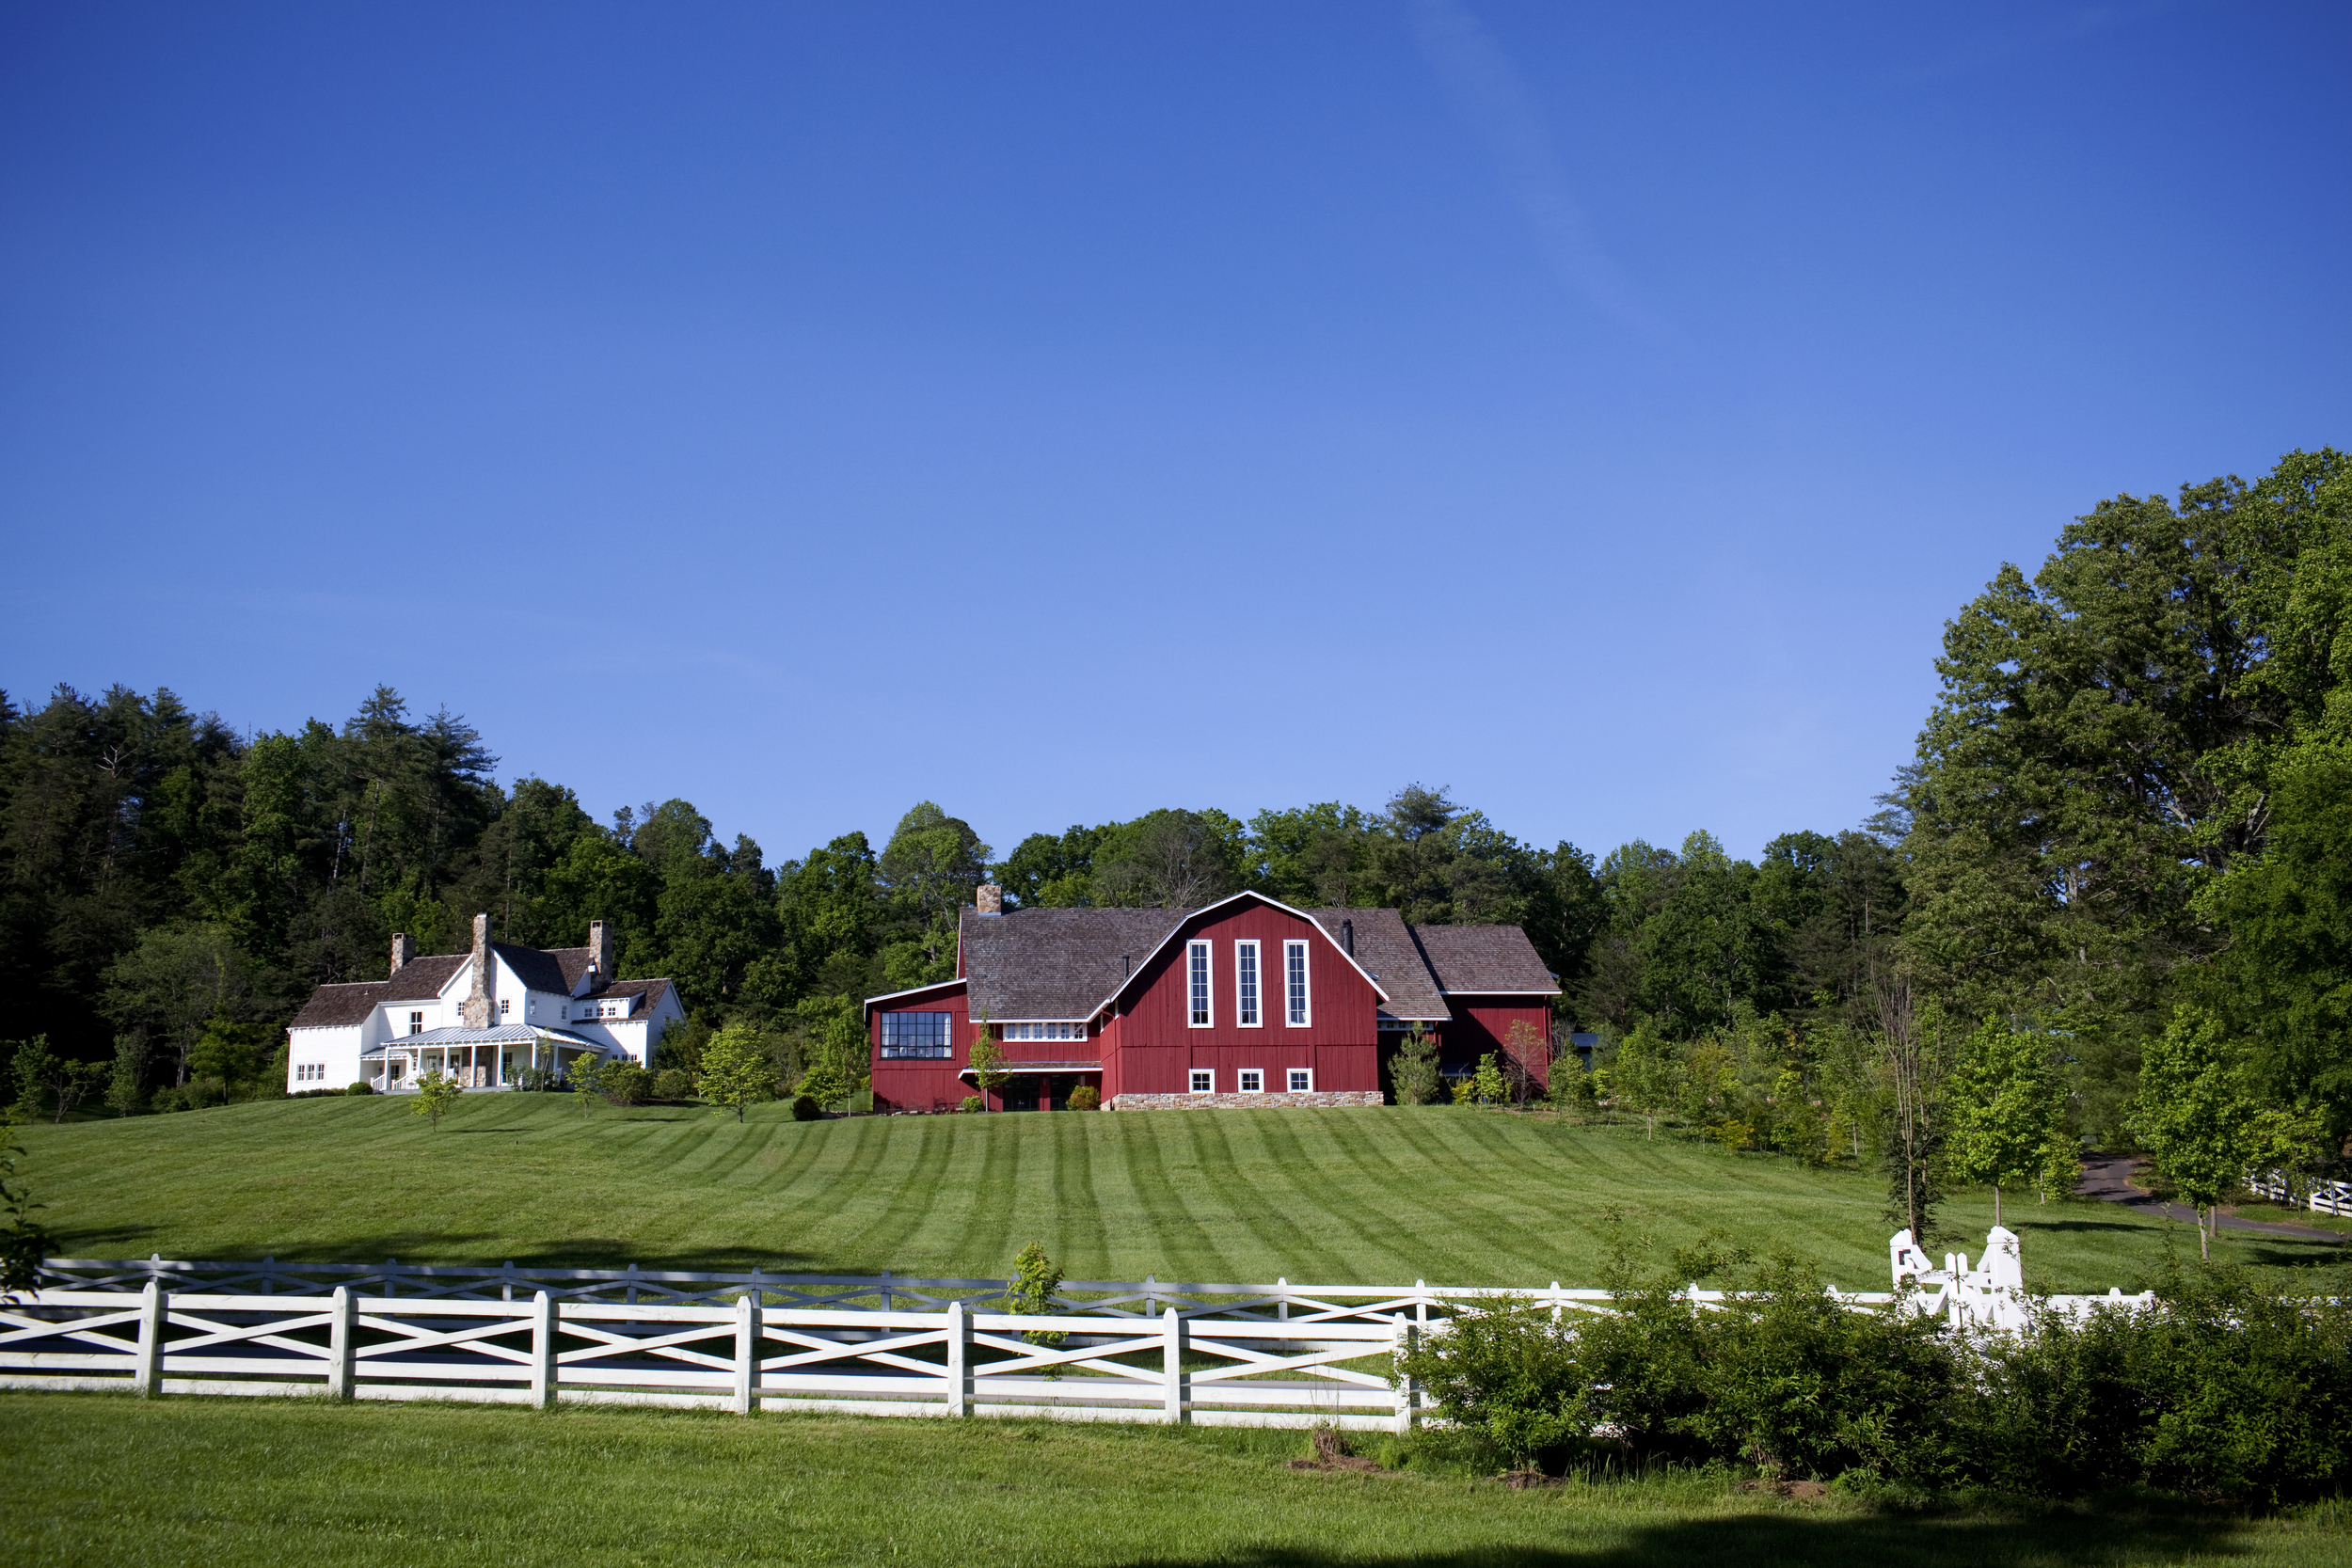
(1341, 1196)
(109, 1479)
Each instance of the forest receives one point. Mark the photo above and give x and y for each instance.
(2124, 840)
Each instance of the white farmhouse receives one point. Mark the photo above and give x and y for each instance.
(482, 1017)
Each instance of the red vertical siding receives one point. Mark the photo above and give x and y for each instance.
(1158, 1047)
(1483, 1024)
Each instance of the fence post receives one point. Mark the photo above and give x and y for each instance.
(342, 1344)
(959, 1360)
(1282, 1309)
(148, 1364)
(1408, 1337)
(746, 1354)
(1179, 1387)
(544, 1318)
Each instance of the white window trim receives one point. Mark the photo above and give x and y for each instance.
(1257, 961)
(1289, 1073)
(1307, 975)
(1242, 1084)
(1207, 952)
(1194, 1077)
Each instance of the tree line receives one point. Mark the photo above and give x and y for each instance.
(2124, 839)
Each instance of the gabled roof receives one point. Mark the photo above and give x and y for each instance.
(1494, 960)
(1068, 965)
(1056, 963)
(555, 971)
(1384, 946)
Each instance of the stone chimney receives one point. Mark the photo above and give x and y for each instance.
(480, 1000)
(600, 950)
(403, 950)
(992, 899)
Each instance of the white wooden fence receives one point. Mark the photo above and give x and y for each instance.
(2319, 1197)
(749, 1356)
(1281, 1355)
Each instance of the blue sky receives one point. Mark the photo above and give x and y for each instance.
(1062, 411)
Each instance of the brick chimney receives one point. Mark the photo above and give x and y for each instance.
(479, 1000)
(600, 950)
(992, 899)
(403, 950)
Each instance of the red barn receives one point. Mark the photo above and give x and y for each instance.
(1244, 1003)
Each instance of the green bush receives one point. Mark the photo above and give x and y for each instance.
(625, 1083)
(804, 1108)
(359, 1088)
(673, 1082)
(2219, 1389)
(972, 1104)
(1085, 1097)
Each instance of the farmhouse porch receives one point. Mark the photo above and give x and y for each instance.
(477, 1058)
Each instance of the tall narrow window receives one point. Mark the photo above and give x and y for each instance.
(1295, 982)
(1197, 961)
(416, 1024)
(1246, 985)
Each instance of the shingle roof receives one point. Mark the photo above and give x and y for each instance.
(1039, 963)
(332, 1006)
(553, 970)
(421, 980)
(1489, 959)
(1056, 963)
(1384, 946)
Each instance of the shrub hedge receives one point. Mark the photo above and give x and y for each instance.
(2218, 1389)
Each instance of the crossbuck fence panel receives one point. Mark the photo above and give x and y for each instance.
(2320, 1197)
(1121, 1351)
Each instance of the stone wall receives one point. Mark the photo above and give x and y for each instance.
(1239, 1102)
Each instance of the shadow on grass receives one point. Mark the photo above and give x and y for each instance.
(475, 1249)
(2054, 1539)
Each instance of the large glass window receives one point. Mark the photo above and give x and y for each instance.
(1197, 961)
(915, 1035)
(1295, 979)
(1246, 985)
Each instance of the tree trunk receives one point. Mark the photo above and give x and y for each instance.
(2205, 1241)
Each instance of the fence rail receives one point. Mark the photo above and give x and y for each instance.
(1281, 1301)
(2319, 1197)
(953, 1361)
(1281, 1355)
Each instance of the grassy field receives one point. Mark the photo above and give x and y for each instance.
(1341, 1196)
(102, 1478)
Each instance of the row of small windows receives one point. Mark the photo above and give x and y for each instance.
(1251, 1079)
(1045, 1031)
(1201, 985)
(309, 1073)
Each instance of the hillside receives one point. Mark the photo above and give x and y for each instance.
(1338, 1196)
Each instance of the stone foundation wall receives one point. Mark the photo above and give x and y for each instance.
(1239, 1102)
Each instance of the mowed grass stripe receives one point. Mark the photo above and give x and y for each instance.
(1341, 1196)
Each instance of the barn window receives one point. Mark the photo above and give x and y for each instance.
(915, 1035)
(1246, 985)
(1203, 1081)
(1302, 1079)
(1198, 964)
(1294, 981)
(1252, 1080)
